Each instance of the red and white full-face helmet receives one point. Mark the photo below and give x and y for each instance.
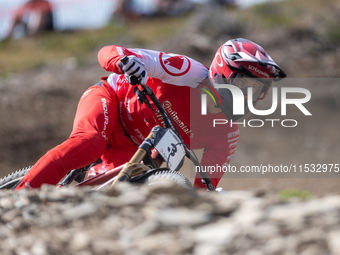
(242, 63)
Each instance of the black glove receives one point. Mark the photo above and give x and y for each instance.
(133, 69)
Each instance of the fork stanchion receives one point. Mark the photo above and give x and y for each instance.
(128, 170)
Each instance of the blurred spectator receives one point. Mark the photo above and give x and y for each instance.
(172, 7)
(34, 16)
(226, 2)
(124, 10)
(127, 10)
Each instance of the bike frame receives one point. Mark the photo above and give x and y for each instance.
(102, 177)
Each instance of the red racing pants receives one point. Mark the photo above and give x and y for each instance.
(97, 133)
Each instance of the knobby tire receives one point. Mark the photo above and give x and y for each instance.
(12, 179)
(168, 175)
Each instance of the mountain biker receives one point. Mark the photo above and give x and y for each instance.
(110, 123)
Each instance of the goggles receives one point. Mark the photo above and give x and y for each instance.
(259, 86)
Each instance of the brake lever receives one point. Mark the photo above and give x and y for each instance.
(142, 97)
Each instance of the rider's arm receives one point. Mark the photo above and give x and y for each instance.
(169, 68)
(109, 58)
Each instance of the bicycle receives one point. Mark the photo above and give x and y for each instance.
(166, 140)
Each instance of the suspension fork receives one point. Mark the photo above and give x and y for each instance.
(143, 150)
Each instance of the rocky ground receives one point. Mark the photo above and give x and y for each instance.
(165, 219)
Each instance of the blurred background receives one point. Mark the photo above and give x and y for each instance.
(48, 59)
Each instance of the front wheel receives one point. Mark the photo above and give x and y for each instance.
(12, 179)
(169, 176)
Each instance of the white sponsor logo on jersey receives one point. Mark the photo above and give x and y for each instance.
(135, 140)
(106, 118)
(86, 93)
(120, 51)
(233, 140)
(174, 115)
(139, 134)
(173, 64)
(233, 134)
(232, 145)
(128, 109)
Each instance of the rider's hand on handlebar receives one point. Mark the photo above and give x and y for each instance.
(134, 70)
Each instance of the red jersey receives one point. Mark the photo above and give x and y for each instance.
(174, 80)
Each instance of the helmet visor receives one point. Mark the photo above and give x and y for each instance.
(259, 87)
(244, 82)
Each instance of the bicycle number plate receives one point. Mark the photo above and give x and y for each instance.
(171, 149)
